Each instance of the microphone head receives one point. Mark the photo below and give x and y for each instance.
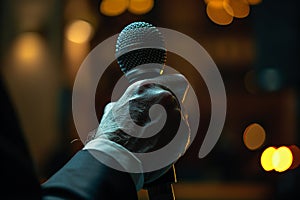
(140, 43)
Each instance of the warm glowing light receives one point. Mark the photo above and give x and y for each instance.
(113, 7)
(266, 158)
(254, 2)
(296, 156)
(29, 48)
(240, 8)
(217, 13)
(254, 136)
(140, 6)
(79, 31)
(282, 159)
(161, 72)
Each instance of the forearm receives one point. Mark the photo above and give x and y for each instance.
(84, 177)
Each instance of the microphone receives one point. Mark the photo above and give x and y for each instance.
(141, 54)
(140, 44)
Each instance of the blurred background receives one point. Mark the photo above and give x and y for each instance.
(254, 43)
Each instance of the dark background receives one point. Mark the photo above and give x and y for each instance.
(258, 58)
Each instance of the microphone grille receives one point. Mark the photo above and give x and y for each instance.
(140, 43)
(139, 35)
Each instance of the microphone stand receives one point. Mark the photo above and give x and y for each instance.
(162, 188)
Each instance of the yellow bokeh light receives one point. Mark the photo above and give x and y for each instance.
(217, 13)
(266, 158)
(254, 136)
(240, 8)
(140, 6)
(282, 159)
(79, 31)
(29, 49)
(113, 7)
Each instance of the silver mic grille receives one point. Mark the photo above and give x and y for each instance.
(139, 43)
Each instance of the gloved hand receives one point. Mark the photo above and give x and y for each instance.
(126, 123)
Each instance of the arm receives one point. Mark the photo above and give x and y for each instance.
(84, 177)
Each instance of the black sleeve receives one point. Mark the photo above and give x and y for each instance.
(84, 177)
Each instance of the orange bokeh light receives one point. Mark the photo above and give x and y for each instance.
(240, 8)
(140, 6)
(217, 13)
(113, 7)
(79, 31)
(254, 136)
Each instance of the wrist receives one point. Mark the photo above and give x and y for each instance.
(120, 154)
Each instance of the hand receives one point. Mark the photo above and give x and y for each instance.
(132, 109)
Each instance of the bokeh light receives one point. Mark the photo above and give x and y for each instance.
(140, 6)
(254, 136)
(218, 14)
(282, 159)
(79, 31)
(270, 79)
(113, 7)
(266, 158)
(296, 156)
(240, 8)
(28, 49)
(235, 8)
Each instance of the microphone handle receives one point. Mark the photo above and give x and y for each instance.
(162, 188)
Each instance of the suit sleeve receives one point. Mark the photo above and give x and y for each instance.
(84, 177)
